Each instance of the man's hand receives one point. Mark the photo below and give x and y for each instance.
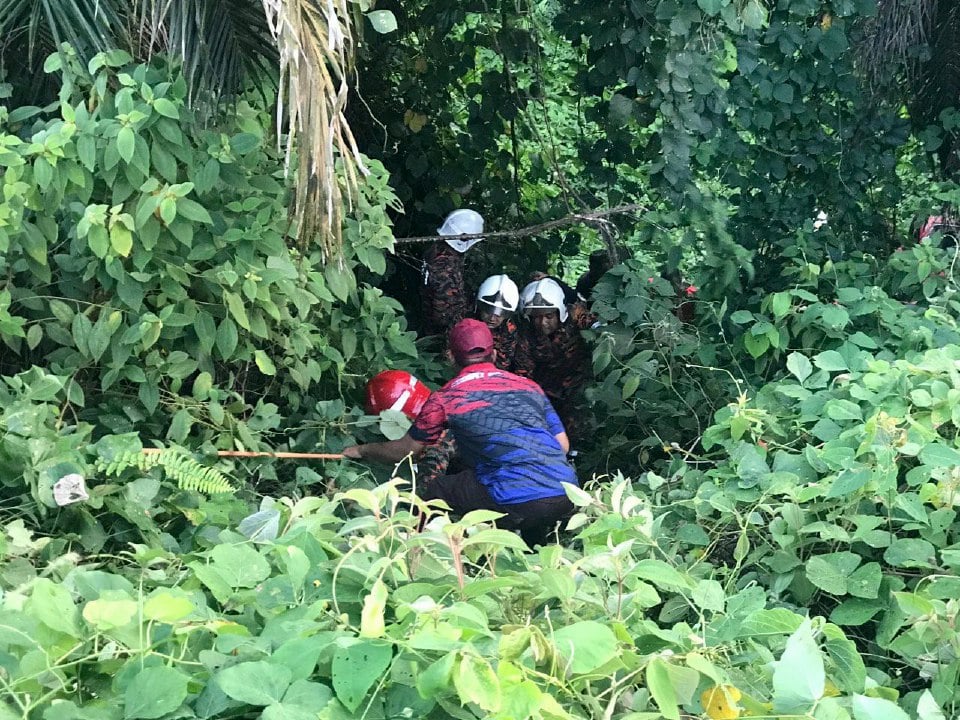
(390, 452)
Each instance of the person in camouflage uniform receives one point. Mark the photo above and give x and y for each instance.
(443, 293)
(497, 301)
(552, 352)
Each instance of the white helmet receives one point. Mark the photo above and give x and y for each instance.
(498, 295)
(462, 222)
(545, 294)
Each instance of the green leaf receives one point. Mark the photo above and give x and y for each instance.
(799, 366)
(754, 15)
(438, 677)
(303, 701)
(109, 614)
(168, 210)
(240, 565)
(586, 645)
(850, 671)
(865, 582)
(928, 709)
(630, 386)
(357, 667)
(126, 143)
(849, 481)
(799, 678)
(255, 683)
(264, 363)
(784, 93)
(829, 572)
(300, 655)
(383, 21)
(87, 151)
(53, 63)
(662, 575)
(910, 552)
(243, 143)
(939, 455)
(339, 279)
(154, 692)
(166, 108)
(476, 682)
(710, 7)
(830, 360)
(52, 605)
(661, 688)
(121, 240)
(237, 310)
(780, 304)
(756, 345)
(192, 210)
(843, 410)
(168, 605)
(227, 338)
(874, 708)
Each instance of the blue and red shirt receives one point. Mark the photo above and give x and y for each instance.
(505, 428)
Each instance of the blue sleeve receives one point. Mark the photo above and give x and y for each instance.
(553, 420)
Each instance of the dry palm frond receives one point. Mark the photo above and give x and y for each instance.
(889, 50)
(222, 43)
(315, 41)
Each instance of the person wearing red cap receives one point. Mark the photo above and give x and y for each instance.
(508, 435)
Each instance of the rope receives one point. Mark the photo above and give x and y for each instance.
(533, 229)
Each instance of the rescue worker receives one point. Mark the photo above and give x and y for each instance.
(599, 263)
(947, 224)
(399, 390)
(552, 352)
(497, 300)
(508, 434)
(444, 295)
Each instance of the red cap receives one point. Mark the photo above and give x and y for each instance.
(469, 338)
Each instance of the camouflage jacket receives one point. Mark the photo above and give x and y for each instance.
(443, 292)
(559, 363)
(435, 460)
(505, 340)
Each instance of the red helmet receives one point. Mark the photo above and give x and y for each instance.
(396, 390)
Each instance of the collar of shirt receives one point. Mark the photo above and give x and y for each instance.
(472, 372)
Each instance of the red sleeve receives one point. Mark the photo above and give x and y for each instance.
(430, 423)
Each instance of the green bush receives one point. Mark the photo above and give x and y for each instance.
(151, 259)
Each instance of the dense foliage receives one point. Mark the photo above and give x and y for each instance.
(772, 530)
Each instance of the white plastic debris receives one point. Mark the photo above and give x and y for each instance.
(70, 489)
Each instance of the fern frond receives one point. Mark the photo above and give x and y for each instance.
(177, 465)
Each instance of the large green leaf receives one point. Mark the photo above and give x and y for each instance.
(661, 688)
(357, 667)
(52, 605)
(799, 678)
(154, 692)
(831, 572)
(872, 708)
(240, 565)
(585, 645)
(255, 683)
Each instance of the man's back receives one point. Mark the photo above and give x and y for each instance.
(506, 430)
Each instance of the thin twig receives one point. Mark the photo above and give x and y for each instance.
(535, 229)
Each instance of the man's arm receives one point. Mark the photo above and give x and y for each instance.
(564, 441)
(388, 453)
